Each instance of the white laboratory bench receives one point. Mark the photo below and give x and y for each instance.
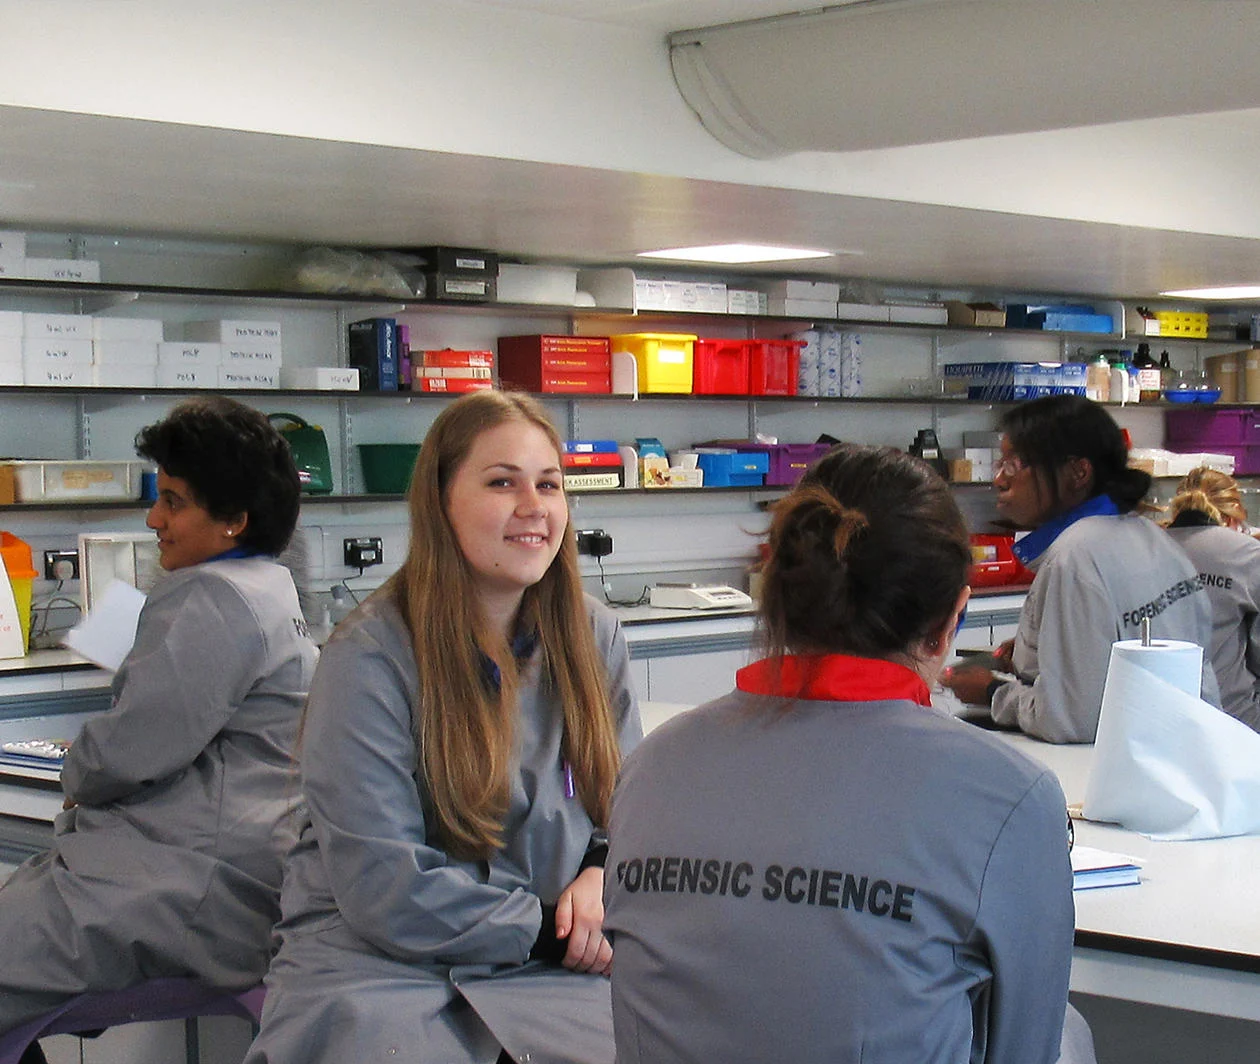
(1188, 936)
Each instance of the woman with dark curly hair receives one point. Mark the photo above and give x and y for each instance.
(167, 860)
(820, 865)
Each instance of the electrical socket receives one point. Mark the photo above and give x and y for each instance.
(61, 565)
(595, 542)
(361, 551)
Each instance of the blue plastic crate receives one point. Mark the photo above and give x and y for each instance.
(741, 469)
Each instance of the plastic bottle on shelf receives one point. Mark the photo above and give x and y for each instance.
(1098, 379)
(1119, 380)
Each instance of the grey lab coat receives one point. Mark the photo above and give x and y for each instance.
(171, 862)
(390, 948)
(1093, 586)
(1229, 565)
(841, 882)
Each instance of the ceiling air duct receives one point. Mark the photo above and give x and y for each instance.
(885, 73)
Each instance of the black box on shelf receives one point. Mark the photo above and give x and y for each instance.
(466, 262)
(464, 287)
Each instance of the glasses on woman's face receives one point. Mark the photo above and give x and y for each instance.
(1009, 466)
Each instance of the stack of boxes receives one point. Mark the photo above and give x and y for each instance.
(592, 464)
(560, 364)
(830, 363)
(249, 352)
(57, 350)
(466, 275)
(125, 352)
(1008, 381)
(449, 371)
(82, 351)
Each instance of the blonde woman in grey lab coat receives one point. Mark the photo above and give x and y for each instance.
(462, 738)
(168, 858)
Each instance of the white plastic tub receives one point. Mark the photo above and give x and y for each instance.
(54, 481)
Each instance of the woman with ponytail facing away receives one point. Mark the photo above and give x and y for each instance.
(820, 866)
(1101, 568)
(463, 734)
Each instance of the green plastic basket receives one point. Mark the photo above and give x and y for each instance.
(387, 467)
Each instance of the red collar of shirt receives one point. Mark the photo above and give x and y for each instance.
(833, 678)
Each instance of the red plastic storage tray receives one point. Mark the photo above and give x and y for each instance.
(720, 367)
(772, 366)
(994, 564)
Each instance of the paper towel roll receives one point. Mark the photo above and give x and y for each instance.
(1165, 762)
(1173, 661)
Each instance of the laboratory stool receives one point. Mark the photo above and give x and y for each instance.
(157, 999)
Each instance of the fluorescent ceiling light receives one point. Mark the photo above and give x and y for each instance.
(740, 253)
(1237, 291)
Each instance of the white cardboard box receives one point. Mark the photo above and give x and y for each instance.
(249, 376)
(233, 331)
(12, 246)
(57, 352)
(125, 352)
(147, 329)
(746, 301)
(862, 311)
(552, 285)
(801, 308)
(125, 375)
(10, 349)
(918, 313)
(177, 375)
(56, 374)
(320, 378)
(814, 291)
(86, 270)
(58, 326)
(189, 353)
(12, 373)
(10, 324)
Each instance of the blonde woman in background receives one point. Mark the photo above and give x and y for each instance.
(1209, 522)
(461, 741)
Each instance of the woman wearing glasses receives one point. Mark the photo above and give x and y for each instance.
(1100, 569)
(820, 866)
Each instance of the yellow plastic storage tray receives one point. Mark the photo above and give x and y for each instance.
(664, 360)
(1177, 323)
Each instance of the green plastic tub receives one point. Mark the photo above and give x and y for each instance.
(387, 467)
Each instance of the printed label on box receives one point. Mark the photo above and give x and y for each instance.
(173, 353)
(57, 352)
(61, 326)
(77, 270)
(173, 375)
(64, 374)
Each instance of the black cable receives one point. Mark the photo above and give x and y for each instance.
(647, 590)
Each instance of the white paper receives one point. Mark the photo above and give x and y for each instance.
(12, 645)
(1166, 763)
(106, 634)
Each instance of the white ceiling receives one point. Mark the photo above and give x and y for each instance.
(1072, 211)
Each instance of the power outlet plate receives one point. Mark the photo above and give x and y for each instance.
(594, 542)
(61, 565)
(359, 552)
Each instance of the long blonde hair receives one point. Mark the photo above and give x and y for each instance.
(1210, 492)
(464, 727)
